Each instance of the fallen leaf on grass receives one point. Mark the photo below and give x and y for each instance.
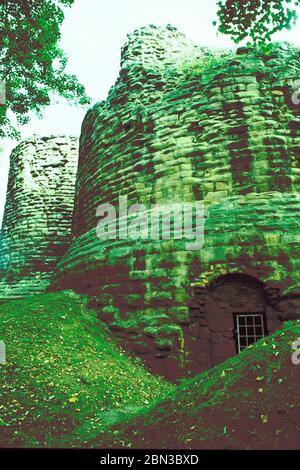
(73, 399)
(264, 419)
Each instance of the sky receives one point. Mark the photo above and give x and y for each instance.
(92, 36)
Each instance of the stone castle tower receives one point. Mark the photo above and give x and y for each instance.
(184, 124)
(37, 220)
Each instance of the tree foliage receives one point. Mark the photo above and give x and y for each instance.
(32, 64)
(255, 20)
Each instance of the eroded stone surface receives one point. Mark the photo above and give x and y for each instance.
(183, 124)
(38, 213)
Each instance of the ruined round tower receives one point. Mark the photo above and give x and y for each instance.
(37, 220)
(183, 125)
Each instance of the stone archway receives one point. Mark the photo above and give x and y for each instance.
(215, 315)
(232, 298)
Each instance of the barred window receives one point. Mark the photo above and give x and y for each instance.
(249, 329)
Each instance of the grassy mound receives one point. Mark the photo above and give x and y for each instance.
(65, 378)
(251, 401)
(66, 383)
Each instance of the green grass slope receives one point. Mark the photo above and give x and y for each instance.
(251, 401)
(65, 379)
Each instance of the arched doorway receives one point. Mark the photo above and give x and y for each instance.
(236, 315)
(227, 317)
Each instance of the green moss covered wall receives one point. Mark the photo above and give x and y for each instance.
(37, 220)
(185, 124)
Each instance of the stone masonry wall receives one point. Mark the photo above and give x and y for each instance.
(186, 124)
(37, 221)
